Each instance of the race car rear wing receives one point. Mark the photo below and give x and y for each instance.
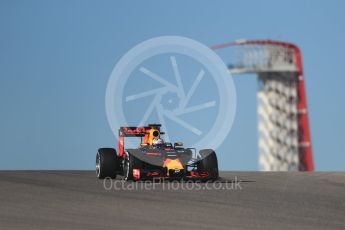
(131, 131)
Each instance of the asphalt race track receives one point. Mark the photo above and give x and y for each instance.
(77, 200)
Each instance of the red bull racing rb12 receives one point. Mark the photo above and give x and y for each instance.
(154, 158)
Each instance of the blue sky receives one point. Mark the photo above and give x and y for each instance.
(56, 58)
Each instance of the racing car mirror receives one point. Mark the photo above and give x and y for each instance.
(178, 144)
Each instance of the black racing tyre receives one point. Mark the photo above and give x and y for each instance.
(107, 163)
(131, 163)
(208, 163)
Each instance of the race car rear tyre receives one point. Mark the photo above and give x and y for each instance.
(107, 163)
(208, 164)
(131, 163)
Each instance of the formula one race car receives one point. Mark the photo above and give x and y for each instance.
(155, 158)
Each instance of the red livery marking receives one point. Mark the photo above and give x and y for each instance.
(136, 174)
(153, 154)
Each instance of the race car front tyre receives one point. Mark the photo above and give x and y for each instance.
(208, 164)
(107, 163)
(131, 163)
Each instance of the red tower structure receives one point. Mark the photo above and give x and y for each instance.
(283, 125)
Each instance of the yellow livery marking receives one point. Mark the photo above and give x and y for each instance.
(173, 164)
